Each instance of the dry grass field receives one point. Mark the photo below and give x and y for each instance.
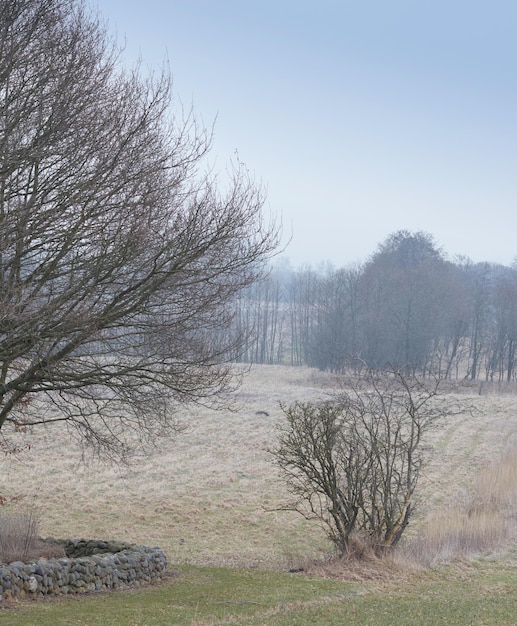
(208, 495)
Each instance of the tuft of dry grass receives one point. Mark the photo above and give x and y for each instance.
(482, 522)
(495, 487)
(455, 532)
(363, 563)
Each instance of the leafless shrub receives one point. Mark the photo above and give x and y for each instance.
(353, 463)
(18, 535)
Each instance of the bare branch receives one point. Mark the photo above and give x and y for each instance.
(119, 254)
(353, 462)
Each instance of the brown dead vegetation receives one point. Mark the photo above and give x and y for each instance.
(208, 496)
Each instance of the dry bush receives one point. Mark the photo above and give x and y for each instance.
(353, 463)
(18, 536)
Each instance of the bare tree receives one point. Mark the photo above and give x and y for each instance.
(120, 253)
(404, 301)
(504, 341)
(481, 314)
(353, 462)
(335, 335)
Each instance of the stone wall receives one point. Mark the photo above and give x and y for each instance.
(88, 566)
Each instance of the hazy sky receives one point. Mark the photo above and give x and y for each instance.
(360, 118)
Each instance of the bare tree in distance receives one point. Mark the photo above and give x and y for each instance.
(353, 462)
(120, 253)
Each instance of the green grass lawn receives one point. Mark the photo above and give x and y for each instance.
(482, 594)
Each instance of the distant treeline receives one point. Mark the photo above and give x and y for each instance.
(407, 306)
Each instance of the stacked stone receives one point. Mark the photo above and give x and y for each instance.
(89, 566)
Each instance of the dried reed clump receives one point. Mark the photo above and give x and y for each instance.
(456, 532)
(496, 486)
(484, 522)
(18, 536)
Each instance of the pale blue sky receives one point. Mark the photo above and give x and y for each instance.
(361, 118)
